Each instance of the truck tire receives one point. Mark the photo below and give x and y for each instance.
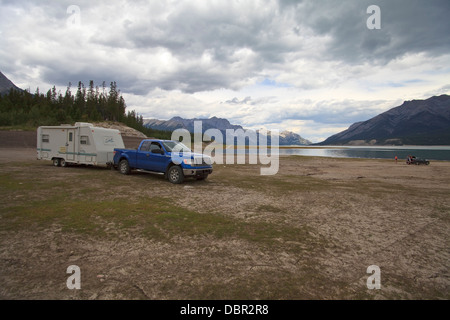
(124, 167)
(62, 163)
(56, 162)
(175, 174)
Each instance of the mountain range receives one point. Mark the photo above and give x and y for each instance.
(188, 124)
(285, 137)
(416, 122)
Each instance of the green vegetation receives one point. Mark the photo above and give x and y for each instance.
(86, 209)
(21, 109)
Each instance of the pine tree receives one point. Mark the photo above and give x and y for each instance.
(80, 102)
(91, 103)
(113, 102)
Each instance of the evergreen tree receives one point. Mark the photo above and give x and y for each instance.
(53, 108)
(79, 109)
(92, 103)
(112, 105)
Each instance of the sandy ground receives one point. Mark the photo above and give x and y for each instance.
(355, 213)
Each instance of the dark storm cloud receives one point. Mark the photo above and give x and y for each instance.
(241, 39)
(189, 30)
(407, 26)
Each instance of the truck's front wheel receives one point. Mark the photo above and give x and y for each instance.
(124, 167)
(175, 174)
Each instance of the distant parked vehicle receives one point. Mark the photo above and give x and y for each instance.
(417, 161)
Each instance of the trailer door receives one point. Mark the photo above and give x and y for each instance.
(70, 144)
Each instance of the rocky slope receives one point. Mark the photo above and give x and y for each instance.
(416, 122)
(125, 130)
(6, 84)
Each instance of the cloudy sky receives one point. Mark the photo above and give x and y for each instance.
(313, 66)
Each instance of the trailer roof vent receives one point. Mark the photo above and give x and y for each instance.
(83, 124)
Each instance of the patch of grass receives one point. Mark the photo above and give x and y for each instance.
(170, 221)
(22, 127)
(15, 164)
(157, 219)
(9, 183)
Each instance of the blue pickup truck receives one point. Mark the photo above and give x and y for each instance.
(172, 158)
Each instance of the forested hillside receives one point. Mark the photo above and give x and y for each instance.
(20, 108)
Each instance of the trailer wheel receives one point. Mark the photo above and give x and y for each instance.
(62, 163)
(56, 162)
(175, 174)
(124, 167)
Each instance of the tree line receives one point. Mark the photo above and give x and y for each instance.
(20, 108)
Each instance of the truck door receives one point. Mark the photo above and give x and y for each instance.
(143, 156)
(70, 145)
(157, 160)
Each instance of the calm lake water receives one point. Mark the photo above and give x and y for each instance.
(373, 152)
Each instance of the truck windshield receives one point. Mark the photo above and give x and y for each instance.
(175, 145)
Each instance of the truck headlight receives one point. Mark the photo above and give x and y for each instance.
(207, 160)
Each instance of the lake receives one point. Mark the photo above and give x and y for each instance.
(372, 152)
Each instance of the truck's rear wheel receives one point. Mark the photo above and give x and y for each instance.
(124, 167)
(175, 174)
(56, 162)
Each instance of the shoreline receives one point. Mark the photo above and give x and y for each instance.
(29, 154)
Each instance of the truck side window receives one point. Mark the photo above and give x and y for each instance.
(145, 146)
(45, 138)
(155, 146)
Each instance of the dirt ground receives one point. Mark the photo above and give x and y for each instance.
(334, 218)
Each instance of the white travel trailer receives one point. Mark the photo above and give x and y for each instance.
(81, 143)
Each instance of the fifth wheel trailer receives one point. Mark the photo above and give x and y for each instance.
(81, 143)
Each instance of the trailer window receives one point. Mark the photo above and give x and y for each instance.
(84, 140)
(45, 138)
(70, 136)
